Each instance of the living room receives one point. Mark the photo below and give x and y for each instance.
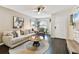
(33, 21)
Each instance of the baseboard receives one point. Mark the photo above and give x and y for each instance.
(1, 44)
(57, 38)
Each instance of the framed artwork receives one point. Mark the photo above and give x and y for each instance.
(18, 22)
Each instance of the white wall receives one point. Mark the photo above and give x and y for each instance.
(60, 20)
(6, 19)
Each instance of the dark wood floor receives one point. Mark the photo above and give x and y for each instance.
(56, 46)
(4, 49)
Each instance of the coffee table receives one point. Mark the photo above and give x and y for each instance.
(28, 48)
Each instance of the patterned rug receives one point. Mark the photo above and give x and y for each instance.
(27, 48)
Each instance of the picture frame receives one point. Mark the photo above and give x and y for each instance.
(18, 22)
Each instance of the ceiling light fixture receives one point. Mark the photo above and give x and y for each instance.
(39, 9)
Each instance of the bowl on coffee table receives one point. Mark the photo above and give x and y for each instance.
(36, 40)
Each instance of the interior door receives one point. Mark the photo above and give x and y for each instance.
(60, 26)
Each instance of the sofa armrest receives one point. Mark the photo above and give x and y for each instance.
(7, 40)
(7, 37)
(76, 36)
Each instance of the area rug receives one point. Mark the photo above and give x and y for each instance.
(27, 48)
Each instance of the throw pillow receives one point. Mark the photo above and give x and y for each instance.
(18, 32)
(14, 34)
(21, 32)
(8, 34)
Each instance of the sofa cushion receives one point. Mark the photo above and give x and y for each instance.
(21, 32)
(22, 37)
(16, 40)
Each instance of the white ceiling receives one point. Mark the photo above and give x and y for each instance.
(27, 9)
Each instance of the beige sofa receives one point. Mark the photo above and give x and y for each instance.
(13, 42)
(73, 45)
